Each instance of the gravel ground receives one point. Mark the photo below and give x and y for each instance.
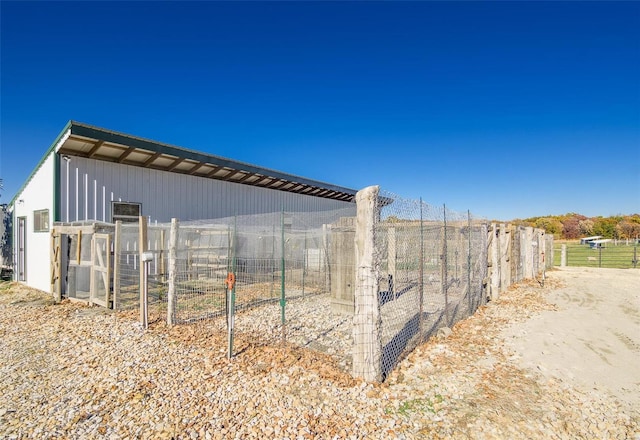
(69, 371)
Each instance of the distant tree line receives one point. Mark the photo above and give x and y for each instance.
(571, 226)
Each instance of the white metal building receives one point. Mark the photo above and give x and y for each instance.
(91, 173)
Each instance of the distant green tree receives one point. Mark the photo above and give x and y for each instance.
(605, 226)
(550, 224)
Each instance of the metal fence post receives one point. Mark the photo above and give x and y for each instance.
(443, 271)
(145, 260)
(599, 255)
(421, 269)
(282, 279)
(231, 290)
(142, 247)
(304, 261)
(469, 263)
(117, 255)
(171, 293)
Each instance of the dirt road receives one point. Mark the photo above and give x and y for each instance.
(592, 340)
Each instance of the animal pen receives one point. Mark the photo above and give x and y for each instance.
(365, 284)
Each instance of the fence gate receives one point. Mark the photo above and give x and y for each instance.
(100, 270)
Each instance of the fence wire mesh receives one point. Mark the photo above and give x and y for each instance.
(282, 262)
(431, 264)
(297, 278)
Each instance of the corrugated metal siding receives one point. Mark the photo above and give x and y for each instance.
(164, 195)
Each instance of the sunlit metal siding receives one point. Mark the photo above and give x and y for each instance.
(163, 195)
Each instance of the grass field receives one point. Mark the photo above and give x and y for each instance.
(622, 256)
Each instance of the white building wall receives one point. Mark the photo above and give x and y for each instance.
(164, 195)
(36, 195)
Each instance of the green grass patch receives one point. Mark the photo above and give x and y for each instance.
(409, 407)
(619, 256)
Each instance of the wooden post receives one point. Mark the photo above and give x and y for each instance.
(163, 273)
(494, 261)
(392, 253)
(327, 266)
(92, 281)
(528, 247)
(367, 344)
(79, 248)
(142, 247)
(56, 265)
(563, 255)
(117, 238)
(173, 253)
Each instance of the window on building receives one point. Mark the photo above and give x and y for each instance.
(41, 220)
(126, 212)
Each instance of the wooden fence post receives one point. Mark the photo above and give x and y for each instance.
(171, 294)
(56, 266)
(367, 345)
(392, 256)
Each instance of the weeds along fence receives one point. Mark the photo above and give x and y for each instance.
(365, 283)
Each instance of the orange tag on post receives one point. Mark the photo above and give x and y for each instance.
(230, 281)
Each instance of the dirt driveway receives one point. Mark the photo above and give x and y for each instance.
(592, 340)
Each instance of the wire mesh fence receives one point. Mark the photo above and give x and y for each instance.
(364, 286)
(282, 264)
(431, 262)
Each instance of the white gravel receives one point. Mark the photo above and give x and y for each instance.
(67, 371)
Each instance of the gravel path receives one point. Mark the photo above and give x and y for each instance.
(68, 371)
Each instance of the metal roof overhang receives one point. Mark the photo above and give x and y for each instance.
(100, 144)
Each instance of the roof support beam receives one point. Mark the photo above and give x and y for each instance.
(264, 181)
(277, 184)
(248, 176)
(124, 155)
(175, 163)
(233, 173)
(151, 159)
(193, 170)
(95, 148)
(214, 171)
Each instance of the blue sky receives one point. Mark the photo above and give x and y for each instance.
(509, 109)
